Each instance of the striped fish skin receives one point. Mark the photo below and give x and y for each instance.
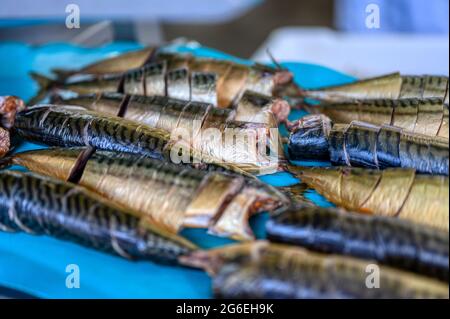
(366, 145)
(171, 196)
(75, 126)
(390, 86)
(393, 192)
(397, 243)
(264, 270)
(428, 116)
(43, 206)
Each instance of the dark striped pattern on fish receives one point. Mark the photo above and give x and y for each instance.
(43, 206)
(264, 270)
(366, 145)
(75, 126)
(155, 79)
(390, 241)
(427, 116)
(424, 86)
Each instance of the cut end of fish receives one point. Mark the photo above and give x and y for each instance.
(233, 222)
(309, 138)
(4, 143)
(9, 107)
(281, 109)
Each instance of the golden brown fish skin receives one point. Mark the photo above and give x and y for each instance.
(41, 205)
(391, 241)
(367, 145)
(241, 271)
(424, 116)
(116, 64)
(233, 78)
(390, 86)
(400, 193)
(171, 196)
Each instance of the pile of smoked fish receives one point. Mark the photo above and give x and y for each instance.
(144, 144)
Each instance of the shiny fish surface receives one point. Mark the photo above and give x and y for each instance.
(390, 241)
(393, 192)
(172, 196)
(427, 116)
(366, 145)
(75, 126)
(390, 86)
(43, 206)
(263, 270)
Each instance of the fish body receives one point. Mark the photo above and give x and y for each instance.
(233, 79)
(428, 116)
(44, 206)
(171, 196)
(253, 108)
(75, 126)
(390, 86)
(393, 192)
(390, 241)
(367, 145)
(264, 270)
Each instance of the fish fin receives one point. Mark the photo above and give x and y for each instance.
(45, 83)
(62, 74)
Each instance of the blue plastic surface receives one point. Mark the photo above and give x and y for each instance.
(37, 264)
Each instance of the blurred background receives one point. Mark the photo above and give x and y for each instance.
(360, 37)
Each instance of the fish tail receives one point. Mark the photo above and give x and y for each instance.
(45, 84)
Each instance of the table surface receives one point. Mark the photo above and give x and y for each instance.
(36, 265)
